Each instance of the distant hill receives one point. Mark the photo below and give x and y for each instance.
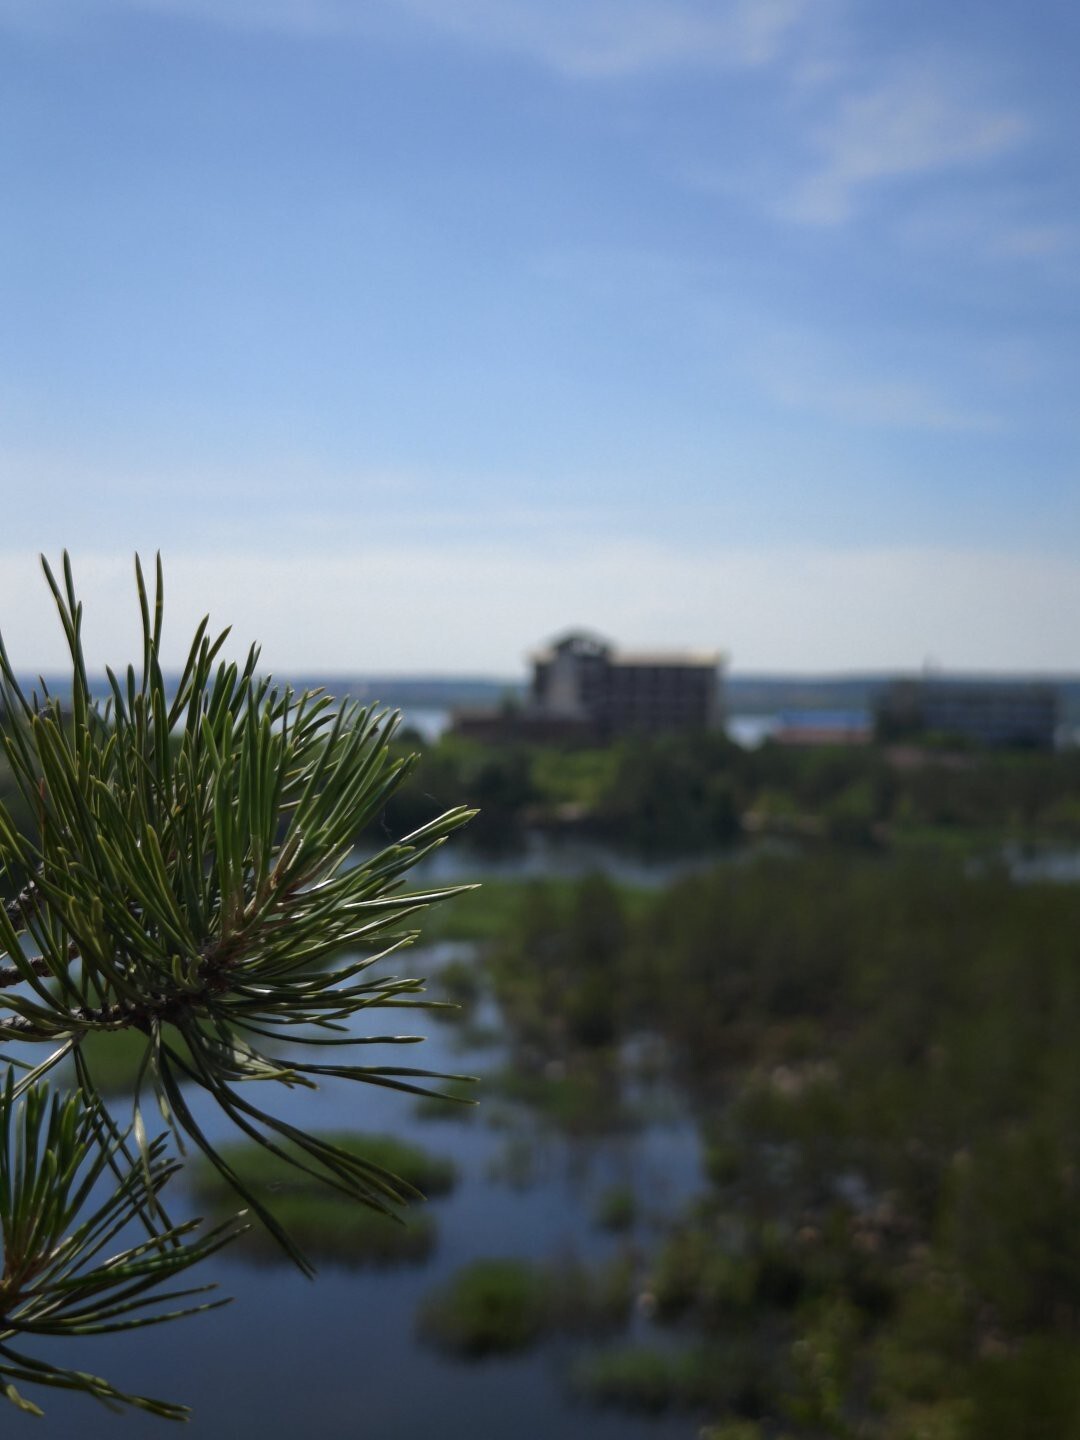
(411, 692)
(744, 694)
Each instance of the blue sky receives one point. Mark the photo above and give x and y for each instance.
(412, 331)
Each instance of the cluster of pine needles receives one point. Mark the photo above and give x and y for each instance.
(188, 873)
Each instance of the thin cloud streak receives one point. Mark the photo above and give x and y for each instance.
(609, 38)
(919, 122)
(1036, 242)
(806, 373)
(586, 39)
(878, 404)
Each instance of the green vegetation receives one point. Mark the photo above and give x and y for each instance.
(672, 794)
(491, 910)
(882, 1056)
(346, 1235)
(617, 1209)
(113, 1058)
(500, 1306)
(177, 915)
(652, 1378)
(875, 1035)
(429, 1175)
(735, 1430)
(634, 1377)
(55, 1219)
(491, 1307)
(583, 1099)
(324, 1221)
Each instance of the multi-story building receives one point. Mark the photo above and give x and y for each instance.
(583, 689)
(582, 680)
(1019, 714)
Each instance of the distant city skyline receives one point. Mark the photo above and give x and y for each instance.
(414, 334)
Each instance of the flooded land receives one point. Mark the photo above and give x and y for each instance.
(773, 1135)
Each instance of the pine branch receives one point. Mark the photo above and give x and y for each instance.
(193, 877)
(52, 1282)
(9, 975)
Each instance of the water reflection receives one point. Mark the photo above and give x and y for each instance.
(341, 1357)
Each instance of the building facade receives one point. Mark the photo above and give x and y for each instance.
(581, 679)
(996, 713)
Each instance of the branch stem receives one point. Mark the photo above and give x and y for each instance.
(11, 975)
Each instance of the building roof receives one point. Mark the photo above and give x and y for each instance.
(706, 659)
(588, 642)
(580, 642)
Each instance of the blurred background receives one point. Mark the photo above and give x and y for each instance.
(670, 408)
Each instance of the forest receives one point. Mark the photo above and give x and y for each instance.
(671, 794)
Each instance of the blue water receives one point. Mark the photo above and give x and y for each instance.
(338, 1358)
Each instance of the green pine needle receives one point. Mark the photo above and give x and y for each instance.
(189, 877)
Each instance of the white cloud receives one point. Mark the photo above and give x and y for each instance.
(988, 224)
(879, 404)
(808, 373)
(585, 38)
(618, 37)
(917, 122)
(258, 496)
(1035, 242)
(432, 607)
